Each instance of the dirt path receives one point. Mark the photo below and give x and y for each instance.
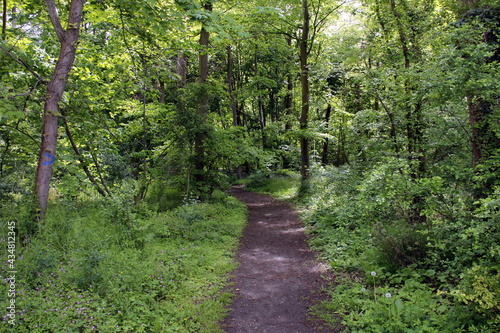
(277, 272)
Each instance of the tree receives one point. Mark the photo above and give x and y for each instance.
(68, 39)
(412, 54)
(304, 81)
(481, 103)
(310, 31)
(4, 20)
(201, 135)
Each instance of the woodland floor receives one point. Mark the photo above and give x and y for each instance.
(278, 278)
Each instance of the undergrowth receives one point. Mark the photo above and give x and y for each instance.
(393, 276)
(107, 265)
(283, 185)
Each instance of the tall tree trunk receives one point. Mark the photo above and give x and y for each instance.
(260, 106)
(324, 154)
(68, 40)
(262, 122)
(230, 86)
(181, 70)
(485, 145)
(4, 20)
(341, 153)
(234, 101)
(304, 79)
(414, 121)
(199, 144)
(289, 95)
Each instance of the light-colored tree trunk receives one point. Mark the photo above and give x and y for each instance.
(68, 39)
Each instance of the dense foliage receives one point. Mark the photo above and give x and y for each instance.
(388, 108)
(108, 266)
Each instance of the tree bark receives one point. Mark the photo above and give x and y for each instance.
(324, 155)
(341, 153)
(181, 70)
(234, 102)
(304, 79)
(199, 145)
(289, 95)
(402, 34)
(230, 86)
(68, 40)
(4, 20)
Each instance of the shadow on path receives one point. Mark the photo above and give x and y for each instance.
(278, 273)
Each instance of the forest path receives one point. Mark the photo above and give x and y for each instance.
(278, 277)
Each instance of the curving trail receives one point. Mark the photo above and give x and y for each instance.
(278, 276)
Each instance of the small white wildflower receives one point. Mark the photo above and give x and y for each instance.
(363, 290)
(388, 295)
(373, 273)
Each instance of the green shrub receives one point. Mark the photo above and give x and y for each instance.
(398, 245)
(479, 288)
(442, 273)
(413, 307)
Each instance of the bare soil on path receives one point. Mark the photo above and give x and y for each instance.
(278, 277)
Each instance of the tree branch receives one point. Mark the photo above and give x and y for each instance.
(82, 161)
(36, 141)
(24, 64)
(23, 94)
(54, 18)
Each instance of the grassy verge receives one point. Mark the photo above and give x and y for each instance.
(109, 266)
(284, 185)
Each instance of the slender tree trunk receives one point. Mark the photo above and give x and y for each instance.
(161, 89)
(182, 70)
(414, 121)
(289, 95)
(402, 34)
(474, 112)
(199, 145)
(324, 155)
(4, 20)
(234, 101)
(98, 168)
(82, 161)
(341, 153)
(230, 86)
(260, 106)
(262, 122)
(304, 79)
(390, 115)
(68, 41)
